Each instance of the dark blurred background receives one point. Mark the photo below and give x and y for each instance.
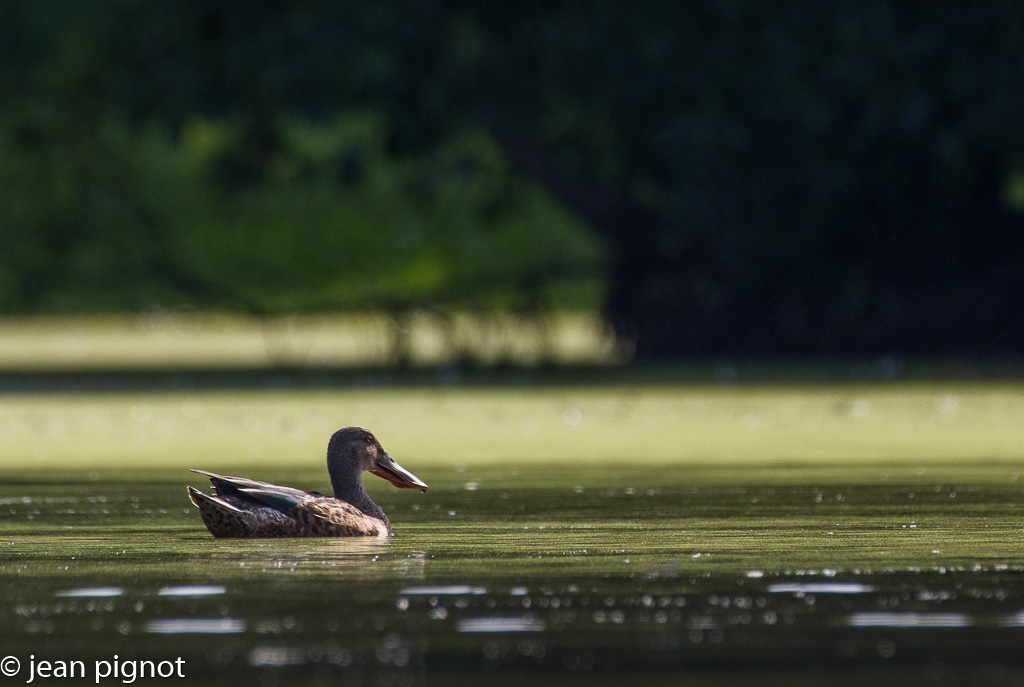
(715, 177)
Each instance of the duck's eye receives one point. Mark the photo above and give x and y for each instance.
(368, 440)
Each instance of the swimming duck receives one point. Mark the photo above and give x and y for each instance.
(242, 507)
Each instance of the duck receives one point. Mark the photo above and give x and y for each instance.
(241, 507)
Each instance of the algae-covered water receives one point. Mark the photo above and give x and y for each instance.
(525, 561)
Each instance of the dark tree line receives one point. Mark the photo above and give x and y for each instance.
(778, 179)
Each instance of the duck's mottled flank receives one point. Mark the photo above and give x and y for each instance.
(325, 517)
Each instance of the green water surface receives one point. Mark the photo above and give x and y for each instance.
(611, 573)
(657, 532)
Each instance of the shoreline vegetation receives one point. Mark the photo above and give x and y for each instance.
(195, 340)
(186, 347)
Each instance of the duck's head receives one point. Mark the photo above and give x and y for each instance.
(357, 445)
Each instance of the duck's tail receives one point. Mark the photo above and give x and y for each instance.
(220, 517)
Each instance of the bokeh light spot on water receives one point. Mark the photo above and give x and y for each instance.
(195, 626)
(142, 413)
(819, 588)
(948, 404)
(1014, 620)
(192, 590)
(501, 624)
(191, 408)
(860, 408)
(442, 590)
(91, 592)
(907, 619)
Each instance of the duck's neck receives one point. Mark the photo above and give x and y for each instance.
(349, 487)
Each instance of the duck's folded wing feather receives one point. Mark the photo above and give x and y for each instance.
(282, 498)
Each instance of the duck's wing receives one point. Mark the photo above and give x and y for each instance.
(273, 495)
(242, 507)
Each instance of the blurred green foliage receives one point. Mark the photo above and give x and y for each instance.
(286, 213)
(126, 217)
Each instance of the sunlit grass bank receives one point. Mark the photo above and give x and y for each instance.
(562, 428)
(193, 340)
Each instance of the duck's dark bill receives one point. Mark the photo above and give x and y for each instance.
(397, 475)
